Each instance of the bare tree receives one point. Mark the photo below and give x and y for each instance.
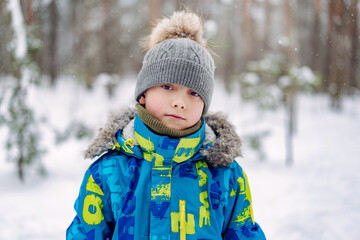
(315, 35)
(329, 49)
(248, 32)
(291, 92)
(354, 36)
(334, 71)
(29, 12)
(5, 59)
(85, 59)
(230, 49)
(105, 39)
(155, 9)
(52, 65)
(288, 30)
(267, 25)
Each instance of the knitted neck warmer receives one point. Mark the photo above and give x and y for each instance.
(160, 128)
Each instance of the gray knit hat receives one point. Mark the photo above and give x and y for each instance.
(174, 58)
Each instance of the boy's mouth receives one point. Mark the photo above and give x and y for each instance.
(175, 116)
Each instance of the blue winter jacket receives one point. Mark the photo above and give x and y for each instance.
(149, 186)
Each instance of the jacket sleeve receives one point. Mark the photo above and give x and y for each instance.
(93, 218)
(239, 219)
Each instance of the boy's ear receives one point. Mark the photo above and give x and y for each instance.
(142, 99)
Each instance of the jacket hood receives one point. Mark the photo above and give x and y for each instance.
(223, 151)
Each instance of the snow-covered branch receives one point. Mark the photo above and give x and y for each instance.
(17, 23)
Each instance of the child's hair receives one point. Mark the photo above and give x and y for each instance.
(177, 54)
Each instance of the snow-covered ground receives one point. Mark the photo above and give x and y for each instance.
(316, 198)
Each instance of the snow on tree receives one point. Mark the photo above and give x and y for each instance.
(274, 82)
(18, 117)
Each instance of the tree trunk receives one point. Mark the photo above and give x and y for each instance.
(155, 9)
(315, 36)
(336, 58)
(75, 40)
(17, 105)
(290, 94)
(20, 161)
(267, 25)
(229, 58)
(52, 67)
(354, 63)
(105, 39)
(247, 33)
(83, 66)
(289, 32)
(289, 126)
(329, 48)
(29, 12)
(5, 59)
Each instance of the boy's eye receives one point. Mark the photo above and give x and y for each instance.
(166, 87)
(195, 94)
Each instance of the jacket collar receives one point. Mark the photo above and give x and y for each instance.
(160, 147)
(225, 146)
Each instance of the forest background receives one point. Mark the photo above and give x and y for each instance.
(86, 38)
(274, 50)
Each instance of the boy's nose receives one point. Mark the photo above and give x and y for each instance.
(179, 103)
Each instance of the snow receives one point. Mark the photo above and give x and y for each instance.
(211, 28)
(316, 198)
(17, 22)
(304, 74)
(227, 1)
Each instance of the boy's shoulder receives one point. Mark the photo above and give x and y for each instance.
(110, 158)
(105, 139)
(233, 170)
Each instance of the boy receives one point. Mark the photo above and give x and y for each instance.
(166, 170)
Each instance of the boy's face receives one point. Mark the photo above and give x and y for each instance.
(176, 106)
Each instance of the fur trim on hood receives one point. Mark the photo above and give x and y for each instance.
(222, 152)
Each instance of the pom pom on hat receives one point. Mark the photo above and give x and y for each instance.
(180, 25)
(177, 54)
